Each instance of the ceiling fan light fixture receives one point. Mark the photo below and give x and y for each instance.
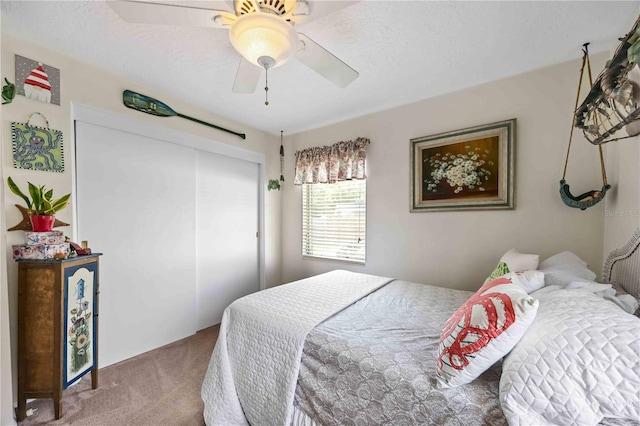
(260, 34)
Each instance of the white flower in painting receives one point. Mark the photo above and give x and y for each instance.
(460, 171)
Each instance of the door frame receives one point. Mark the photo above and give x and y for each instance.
(99, 117)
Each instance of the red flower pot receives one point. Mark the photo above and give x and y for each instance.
(41, 223)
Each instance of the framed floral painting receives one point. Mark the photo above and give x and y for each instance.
(467, 169)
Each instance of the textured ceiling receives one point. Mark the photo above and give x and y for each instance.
(405, 51)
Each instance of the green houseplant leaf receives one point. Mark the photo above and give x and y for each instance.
(46, 207)
(14, 188)
(36, 198)
(40, 200)
(57, 205)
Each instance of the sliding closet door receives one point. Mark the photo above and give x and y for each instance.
(227, 226)
(136, 203)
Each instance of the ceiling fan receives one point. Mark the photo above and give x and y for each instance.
(262, 31)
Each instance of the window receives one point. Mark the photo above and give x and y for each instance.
(334, 220)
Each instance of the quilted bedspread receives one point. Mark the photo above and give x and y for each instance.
(254, 367)
(578, 364)
(374, 364)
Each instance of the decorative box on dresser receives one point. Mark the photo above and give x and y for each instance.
(57, 327)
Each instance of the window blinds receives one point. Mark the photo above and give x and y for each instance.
(334, 220)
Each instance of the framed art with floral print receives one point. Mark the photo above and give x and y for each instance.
(467, 169)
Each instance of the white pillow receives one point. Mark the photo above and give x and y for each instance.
(514, 261)
(565, 259)
(483, 330)
(578, 363)
(564, 268)
(531, 280)
(519, 262)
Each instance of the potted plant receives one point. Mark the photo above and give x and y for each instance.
(41, 205)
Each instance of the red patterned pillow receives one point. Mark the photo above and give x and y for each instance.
(483, 330)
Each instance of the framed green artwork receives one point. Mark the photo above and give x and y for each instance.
(37, 148)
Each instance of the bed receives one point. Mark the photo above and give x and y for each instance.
(353, 349)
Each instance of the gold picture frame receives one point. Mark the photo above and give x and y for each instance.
(467, 169)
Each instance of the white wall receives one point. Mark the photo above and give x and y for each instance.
(622, 204)
(459, 249)
(83, 84)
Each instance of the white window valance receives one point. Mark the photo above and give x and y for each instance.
(332, 163)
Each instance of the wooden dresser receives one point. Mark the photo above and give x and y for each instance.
(57, 327)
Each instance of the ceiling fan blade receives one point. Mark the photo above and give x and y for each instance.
(308, 11)
(162, 13)
(324, 62)
(247, 77)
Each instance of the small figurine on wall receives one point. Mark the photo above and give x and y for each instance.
(37, 81)
(273, 184)
(8, 92)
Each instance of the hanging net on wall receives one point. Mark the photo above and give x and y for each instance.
(613, 103)
(589, 198)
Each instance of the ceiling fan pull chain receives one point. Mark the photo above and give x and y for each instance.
(281, 157)
(266, 85)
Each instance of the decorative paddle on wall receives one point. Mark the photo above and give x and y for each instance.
(152, 106)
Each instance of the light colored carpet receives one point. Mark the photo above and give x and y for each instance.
(160, 387)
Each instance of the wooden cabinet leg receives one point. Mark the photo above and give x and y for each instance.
(57, 407)
(21, 411)
(94, 378)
